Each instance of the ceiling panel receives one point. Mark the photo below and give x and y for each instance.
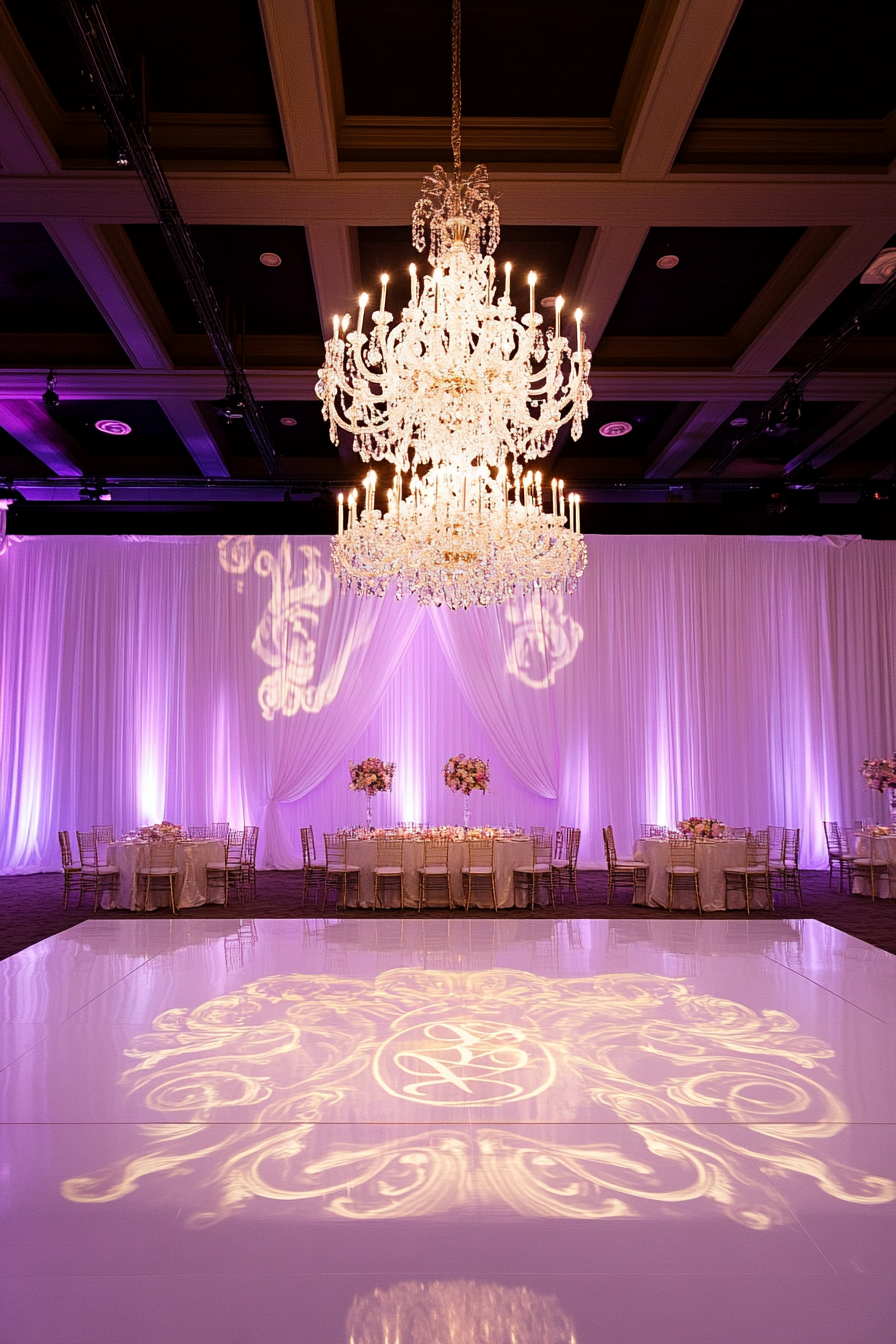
(15, 459)
(518, 60)
(307, 438)
(151, 447)
(39, 291)
(770, 449)
(876, 450)
(881, 323)
(279, 300)
(205, 56)
(718, 274)
(646, 418)
(806, 58)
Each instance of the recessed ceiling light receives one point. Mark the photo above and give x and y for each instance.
(738, 421)
(287, 420)
(269, 259)
(614, 428)
(113, 427)
(550, 301)
(668, 262)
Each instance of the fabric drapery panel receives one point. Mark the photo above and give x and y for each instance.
(742, 677)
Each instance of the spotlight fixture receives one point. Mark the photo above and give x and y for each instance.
(121, 159)
(614, 429)
(667, 262)
(739, 421)
(50, 397)
(95, 491)
(270, 259)
(287, 420)
(231, 408)
(112, 427)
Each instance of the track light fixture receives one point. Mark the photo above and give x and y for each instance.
(783, 419)
(50, 397)
(232, 407)
(95, 491)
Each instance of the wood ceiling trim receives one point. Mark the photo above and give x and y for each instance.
(229, 141)
(690, 438)
(190, 425)
(726, 144)
(333, 252)
(605, 271)
(303, 51)
(673, 55)
(30, 116)
(34, 428)
(262, 351)
(554, 141)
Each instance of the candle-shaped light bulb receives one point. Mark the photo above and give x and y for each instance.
(363, 300)
(341, 500)
(578, 317)
(554, 496)
(384, 280)
(507, 269)
(538, 488)
(562, 500)
(532, 278)
(346, 322)
(558, 307)
(335, 326)
(412, 271)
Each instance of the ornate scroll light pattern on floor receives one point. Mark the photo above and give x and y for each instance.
(719, 1103)
(458, 396)
(285, 636)
(545, 639)
(459, 1310)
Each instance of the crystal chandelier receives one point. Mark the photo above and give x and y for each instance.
(458, 395)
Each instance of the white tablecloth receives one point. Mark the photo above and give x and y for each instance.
(884, 884)
(509, 854)
(713, 857)
(190, 886)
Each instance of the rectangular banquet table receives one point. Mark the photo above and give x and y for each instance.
(190, 887)
(884, 848)
(509, 854)
(713, 857)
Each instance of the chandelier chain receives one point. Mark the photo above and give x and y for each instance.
(455, 84)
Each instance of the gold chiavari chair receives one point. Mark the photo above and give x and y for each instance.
(228, 870)
(103, 835)
(682, 869)
(219, 830)
(564, 871)
(775, 845)
(537, 875)
(313, 872)
(871, 866)
(479, 869)
(339, 871)
(561, 841)
(754, 873)
(848, 855)
(160, 866)
(250, 844)
(70, 869)
(94, 873)
(537, 833)
(651, 830)
(434, 875)
(389, 869)
(626, 872)
(200, 833)
(785, 872)
(832, 840)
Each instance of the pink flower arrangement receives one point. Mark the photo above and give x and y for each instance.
(463, 774)
(702, 828)
(371, 776)
(163, 830)
(881, 774)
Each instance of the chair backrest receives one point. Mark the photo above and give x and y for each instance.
(736, 832)
(104, 835)
(233, 848)
(160, 854)
(757, 849)
(542, 853)
(481, 853)
(791, 851)
(250, 845)
(435, 853)
(561, 839)
(308, 854)
(336, 850)
(65, 847)
(651, 830)
(682, 851)
(389, 852)
(847, 840)
(199, 832)
(776, 843)
(572, 848)
(610, 846)
(219, 830)
(832, 838)
(537, 833)
(87, 848)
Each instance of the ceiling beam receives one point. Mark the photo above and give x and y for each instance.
(31, 424)
(189, 424)
(690, 438)
(304, 57)
(388, 198)
(843, 254)
(333, 251)
(87, 250)
(298, 384)
(605, 271)
(29, 114)
(848, 430)
(673, 55)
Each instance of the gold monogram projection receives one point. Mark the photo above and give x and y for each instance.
(459, 1086)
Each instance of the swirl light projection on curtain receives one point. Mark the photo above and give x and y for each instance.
(459, 1310)
(718, 1102)
(545, 638)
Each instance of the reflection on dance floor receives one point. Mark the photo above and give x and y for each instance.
(718, 1101)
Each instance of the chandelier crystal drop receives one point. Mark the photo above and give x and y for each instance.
(458, 395)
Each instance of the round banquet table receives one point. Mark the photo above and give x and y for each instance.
(884, 848)
(190, 887)
(509, 854)
(713, 857)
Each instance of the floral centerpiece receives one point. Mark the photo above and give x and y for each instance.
(163, 830)
(881, 775)
(701, 828)
(371, 776)
(463, 774)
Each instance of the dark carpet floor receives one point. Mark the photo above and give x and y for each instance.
(31, 909)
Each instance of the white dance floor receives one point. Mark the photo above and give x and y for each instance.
(306, 1131)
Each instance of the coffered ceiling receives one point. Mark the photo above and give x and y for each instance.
(753, 141)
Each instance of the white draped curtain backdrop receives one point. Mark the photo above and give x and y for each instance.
(194, 679)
